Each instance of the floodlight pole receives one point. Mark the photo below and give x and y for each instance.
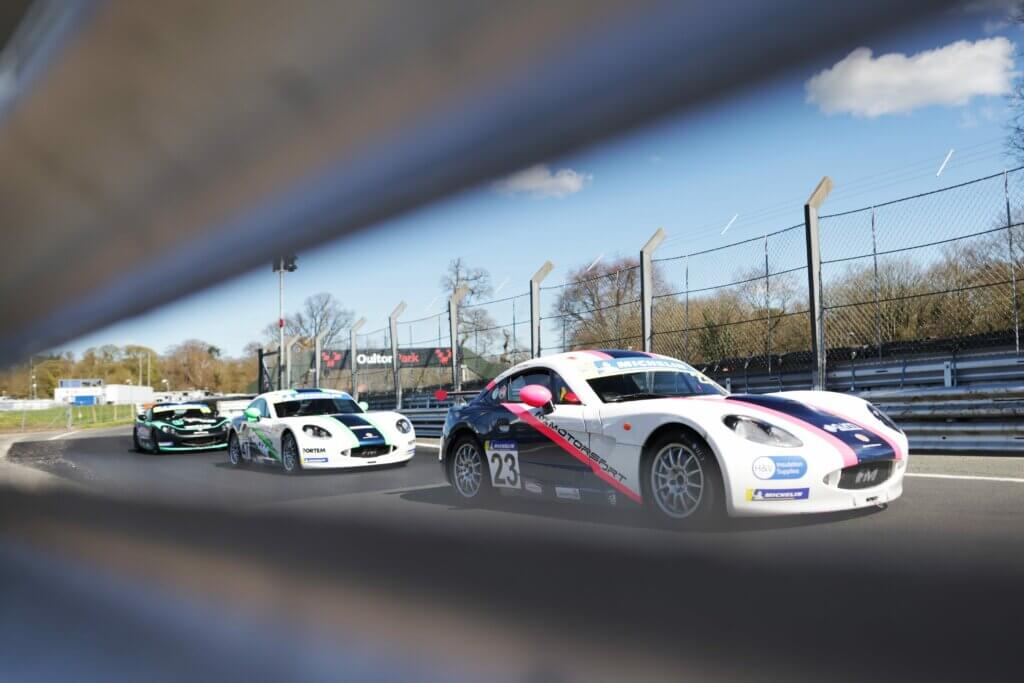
(815, 309)
(352, 356)
(280, 319)
(453, 329)
(395, 368)
(535, 281)
(647, 288)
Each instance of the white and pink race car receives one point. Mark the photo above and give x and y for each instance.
(632, 426)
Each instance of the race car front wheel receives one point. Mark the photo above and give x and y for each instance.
(290, 455)
(135, 440)
(682, 482)
(468, 471)
(234, 450)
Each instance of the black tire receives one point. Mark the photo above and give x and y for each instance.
(290, 461)
(235, 451)
(673, 467)
(136, 446)
(461, 471)
(154, 447)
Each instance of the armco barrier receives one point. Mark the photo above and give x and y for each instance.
(974, 419)
(871, 374)
(427, 421)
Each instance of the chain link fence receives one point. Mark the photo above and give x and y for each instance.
(424, 352)
(939, 271)
(597, 312)
(493, 336)
(936, 271)
(744, 302)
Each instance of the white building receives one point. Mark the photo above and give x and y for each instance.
(95, 392)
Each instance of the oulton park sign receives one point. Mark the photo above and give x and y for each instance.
(432, 356)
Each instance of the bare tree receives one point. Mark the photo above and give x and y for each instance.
(475, 322)
(320, 314)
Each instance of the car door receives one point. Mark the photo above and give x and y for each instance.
(550, 446)
(258, 435)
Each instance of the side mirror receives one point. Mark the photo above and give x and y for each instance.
(252, 415)
(364, 405)
(536, 396)
(141, 417)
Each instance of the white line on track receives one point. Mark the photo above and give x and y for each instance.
(969, 477)
(61, 436)
(423, 444)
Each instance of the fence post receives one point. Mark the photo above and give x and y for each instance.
(1013, 263)
(395, 368)
(453, 329)
(318, 349)
(647, 288)
(535, 281)
(358, 325)
(815, 309)
(259, 370)
(515, 342)
(686, 309)
(878, 298)
(289, 343)
(767, 308)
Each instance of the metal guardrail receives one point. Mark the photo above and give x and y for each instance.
(427, 421)
(975, 419)
(871, 374)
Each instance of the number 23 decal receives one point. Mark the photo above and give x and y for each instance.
(504, 466)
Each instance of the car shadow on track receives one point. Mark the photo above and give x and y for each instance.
(628, 515)
(278, 471)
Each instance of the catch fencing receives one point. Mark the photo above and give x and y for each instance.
(942, 267)
(594, 312)
(935, 273)
(744, 300)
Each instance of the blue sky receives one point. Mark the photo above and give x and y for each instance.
(758, 155)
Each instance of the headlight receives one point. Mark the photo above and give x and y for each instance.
(883, 418)
(761, 432)
(403, 426)
(316, 432)
(165, 429)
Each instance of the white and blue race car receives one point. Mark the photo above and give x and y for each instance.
(627, 425)
(318, 429)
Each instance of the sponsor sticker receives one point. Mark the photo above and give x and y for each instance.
(760, 495)
(567, 493)
(314, 450)
(311, 460)
(779, 467)
(841, 427)
(533, 487)
(602, 366)
(503, 461)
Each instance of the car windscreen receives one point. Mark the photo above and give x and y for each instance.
(316, 406)
(647, 384)
(190, 412)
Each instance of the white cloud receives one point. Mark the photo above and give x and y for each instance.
(539, 181)
(863, 85)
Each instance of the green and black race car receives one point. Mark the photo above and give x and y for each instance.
(172, 427)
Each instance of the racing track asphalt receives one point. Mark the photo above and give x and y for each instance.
(926, 589)
(950, 521)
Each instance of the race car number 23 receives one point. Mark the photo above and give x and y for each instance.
(503, 459)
